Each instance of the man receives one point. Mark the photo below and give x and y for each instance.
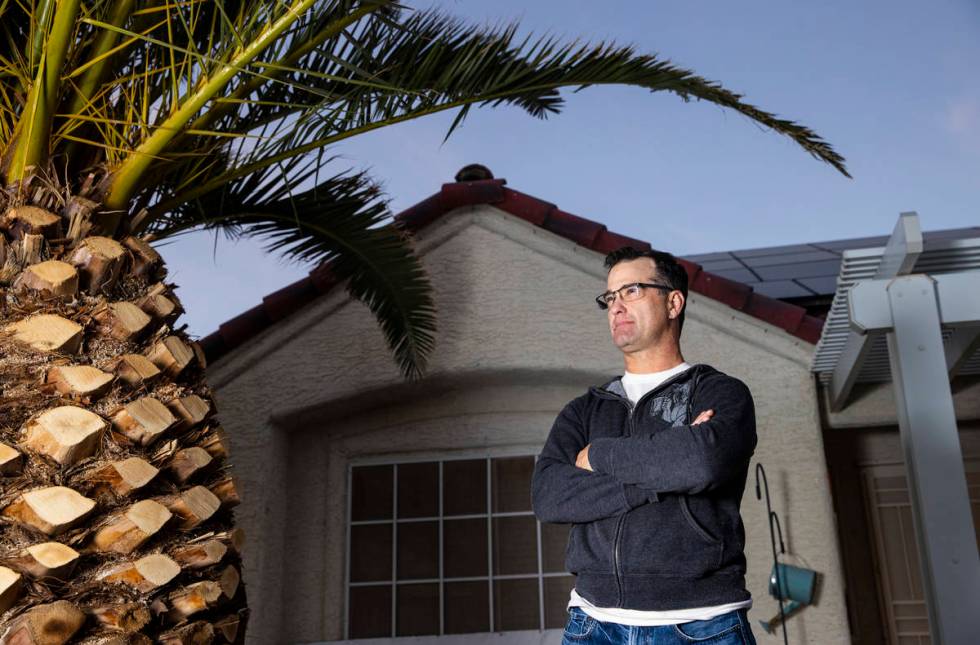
(649, 469)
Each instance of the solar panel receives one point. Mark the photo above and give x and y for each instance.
(781, 289)
(791, 258)
(799, 270)
(739, 275)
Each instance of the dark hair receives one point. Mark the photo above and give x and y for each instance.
(669, 270)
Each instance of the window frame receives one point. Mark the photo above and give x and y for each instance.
(395, 460)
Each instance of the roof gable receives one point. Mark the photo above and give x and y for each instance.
(585, 232)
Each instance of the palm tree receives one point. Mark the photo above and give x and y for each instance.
(128, 121)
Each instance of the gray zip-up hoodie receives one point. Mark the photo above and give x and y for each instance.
(656, 526)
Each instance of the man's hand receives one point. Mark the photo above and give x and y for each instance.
(704, 416)
(582, 460)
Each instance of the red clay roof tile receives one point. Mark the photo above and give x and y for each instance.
(692, 270)
(734, 294)
(526, 207)
(323, 279)
(280, 304)
(245, 325)
(607, 242)
(585, 232)
(578, 229)
(213, 346)
(422, 214)
(810, 329)
(776, 312)
(470, 193)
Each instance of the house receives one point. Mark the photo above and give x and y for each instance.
(377, 508)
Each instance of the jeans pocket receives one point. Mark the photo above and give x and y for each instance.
(720, 630)
(579, 625)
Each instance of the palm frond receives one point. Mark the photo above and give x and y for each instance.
(435, 64)
(343, 225)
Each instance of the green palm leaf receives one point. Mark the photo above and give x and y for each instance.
(430, 63)
(341, 225)
(166, 111)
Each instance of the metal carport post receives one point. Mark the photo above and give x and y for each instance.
(912, 311)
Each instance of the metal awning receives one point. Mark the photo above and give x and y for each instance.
(910, 314)
(839, 344)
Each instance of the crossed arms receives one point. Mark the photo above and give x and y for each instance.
(626, 472)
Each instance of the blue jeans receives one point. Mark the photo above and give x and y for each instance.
(728, 629)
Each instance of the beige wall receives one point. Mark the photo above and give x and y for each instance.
(518, 337)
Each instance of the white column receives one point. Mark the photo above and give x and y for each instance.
(934, 461)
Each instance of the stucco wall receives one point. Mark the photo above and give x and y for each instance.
(518, 337)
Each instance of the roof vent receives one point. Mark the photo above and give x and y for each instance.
(473, 172)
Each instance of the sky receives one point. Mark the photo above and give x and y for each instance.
(891, 84)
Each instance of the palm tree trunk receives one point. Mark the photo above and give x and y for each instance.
(116, 493)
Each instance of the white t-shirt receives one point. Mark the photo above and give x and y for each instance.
(636, 385)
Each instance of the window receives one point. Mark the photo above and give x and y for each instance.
(451, 547)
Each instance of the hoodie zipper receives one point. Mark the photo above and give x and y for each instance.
(622, 518)
(630, 409)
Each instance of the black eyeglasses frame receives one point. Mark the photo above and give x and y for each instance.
(646, 285)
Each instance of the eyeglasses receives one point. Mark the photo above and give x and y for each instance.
(628, 292)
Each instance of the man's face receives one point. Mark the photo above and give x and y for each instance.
(642, 323)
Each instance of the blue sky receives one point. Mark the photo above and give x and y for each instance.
(892, 85)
